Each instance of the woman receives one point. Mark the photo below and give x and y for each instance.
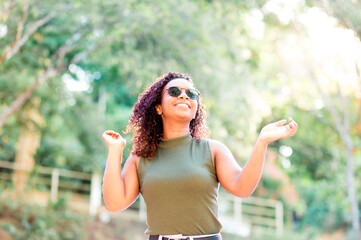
(175, 167)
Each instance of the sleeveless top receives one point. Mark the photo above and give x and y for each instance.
(180, 188)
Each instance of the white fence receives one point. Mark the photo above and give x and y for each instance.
(240, 216)
(59, 179)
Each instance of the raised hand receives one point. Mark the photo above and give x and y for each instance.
(277, 130)
(113, 139)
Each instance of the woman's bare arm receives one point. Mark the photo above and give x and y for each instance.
(120, 186)
(243, 182)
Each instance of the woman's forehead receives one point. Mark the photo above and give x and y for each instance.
(179, 82)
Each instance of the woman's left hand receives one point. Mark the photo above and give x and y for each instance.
(277, 130)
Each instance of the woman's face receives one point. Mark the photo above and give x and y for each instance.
(180, 107)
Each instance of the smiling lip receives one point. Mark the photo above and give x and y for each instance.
(177, 103)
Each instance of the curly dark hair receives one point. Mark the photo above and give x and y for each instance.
(147, 124)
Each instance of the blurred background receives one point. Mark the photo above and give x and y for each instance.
(72, 69)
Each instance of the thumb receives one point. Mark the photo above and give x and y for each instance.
(280, 122)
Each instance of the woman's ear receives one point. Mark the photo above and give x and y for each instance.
(158, 108)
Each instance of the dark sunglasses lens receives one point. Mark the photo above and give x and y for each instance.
(192, 94)
(174, 91)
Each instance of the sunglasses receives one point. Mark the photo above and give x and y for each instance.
(177, 91)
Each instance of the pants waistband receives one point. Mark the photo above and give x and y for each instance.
(211, 237)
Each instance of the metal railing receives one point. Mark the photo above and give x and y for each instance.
(243, 216)
(239, 216)
(59, 180)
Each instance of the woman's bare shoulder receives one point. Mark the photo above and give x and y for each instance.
(217, 145)
(133, 159)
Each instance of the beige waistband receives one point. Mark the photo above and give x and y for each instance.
(180, 236)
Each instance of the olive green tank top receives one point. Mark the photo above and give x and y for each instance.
(180, 188)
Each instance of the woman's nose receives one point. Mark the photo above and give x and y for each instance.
(183, 94)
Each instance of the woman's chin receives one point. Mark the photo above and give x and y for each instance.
(184, 117)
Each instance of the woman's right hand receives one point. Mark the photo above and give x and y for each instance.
(113, 139)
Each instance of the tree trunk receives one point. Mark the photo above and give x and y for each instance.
(27, 145)
(351, 189)
(342, 124)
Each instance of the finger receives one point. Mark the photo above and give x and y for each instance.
(116, 135)
(293, 132)
(280, 122)
(110, 133)
(293, 123)
(105, 133)
(291, 120)
(294, 129)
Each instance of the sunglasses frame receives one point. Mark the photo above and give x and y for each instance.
(186, 90)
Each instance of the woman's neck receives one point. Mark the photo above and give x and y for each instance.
(175, 130)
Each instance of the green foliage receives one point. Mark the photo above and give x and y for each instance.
(321, 213)
(270, 186)
(29, 221)
(242, 79)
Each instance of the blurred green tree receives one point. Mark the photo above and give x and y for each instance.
(319, 75)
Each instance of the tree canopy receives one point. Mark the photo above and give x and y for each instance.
(80, 66)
